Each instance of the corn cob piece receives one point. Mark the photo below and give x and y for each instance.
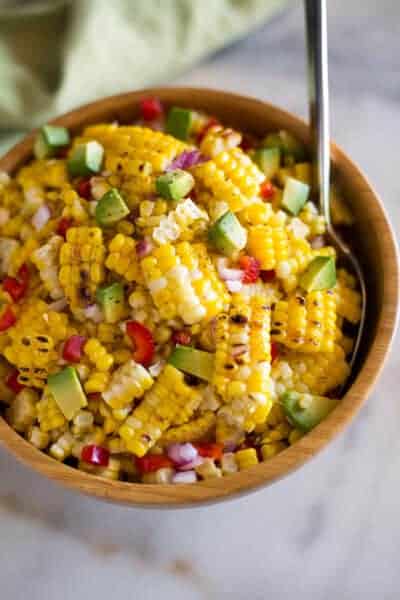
(316, 373)
(44, 173)
(22, 411)
(97, 382)
(181, 223)
(228, 434)
(269, 243)
(183, 282)
(348, 299)
(246, 458)
(257, 213)
(62, 448)
(128, 382)
(48, 414)
(316, 222)
(241, 170)
(98, 355)
(170, 401)
(122, 258)
(242, 362)
(300, 255)
(81, 264)
(45, 259)
(218, 139)
(194, 431)
(306, 323)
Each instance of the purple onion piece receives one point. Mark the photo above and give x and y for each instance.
(187, 159)
(143, 247)
(185, 477)
(182, 454)
(196, 462)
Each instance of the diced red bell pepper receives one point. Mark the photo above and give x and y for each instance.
(17, 286)
(13, 383)
(7, 318)
(84, 188)
(210, 450)
(212, 121)
(267, 276)
(94, 396)
(151, 109)
(183, 338)
(274, 351)
(73, 348)
(63, 225)
(251, 267)
(95, 455)
(267, 190)
(143, 341)
(152, 462)
(247, 142)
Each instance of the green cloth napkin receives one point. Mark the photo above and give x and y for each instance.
(58, 54)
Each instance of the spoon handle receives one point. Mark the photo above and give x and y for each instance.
(317, 55)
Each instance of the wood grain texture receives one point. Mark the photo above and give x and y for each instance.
(374, 241)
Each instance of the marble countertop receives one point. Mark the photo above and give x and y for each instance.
(328, 531)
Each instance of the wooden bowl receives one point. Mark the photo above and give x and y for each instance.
(374, 242)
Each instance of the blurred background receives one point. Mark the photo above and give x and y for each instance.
(329, 531)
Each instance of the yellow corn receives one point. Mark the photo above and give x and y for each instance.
(208, 469)
(269, 243)
(110, 472)
(48, 413)
(98, 355)
(81, 264)
(22, 411)
(122, 258)
(348, 299)
(271, 449)
(194, 431)
(22, 255)
(218, 139)
(45, 260)
(168, 402)
(246, 458)
(228, 463)
(62, 448)
(82, 422)
(75, 208)
(242, 361)
(228, 434)
(38, 438)
(128, 382)
(184, 222)
(306, 323)
(96, 382)
(47, 173)
(316, 222)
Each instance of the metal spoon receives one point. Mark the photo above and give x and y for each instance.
(317, 53)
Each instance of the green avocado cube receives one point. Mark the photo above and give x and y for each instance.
(111, 299)
(67, 392)
(174, 185)
(179, 122)
(227, 234)
(86, 159)
(269, 160)
(111, 208)
(319, 275)
(295, 195)
(289, 146)
(305, 411)
(49, 140)
(193, 362)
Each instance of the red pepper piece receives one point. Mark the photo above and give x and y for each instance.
(267, 276)
(151, 108)
(143, 341)
(251, 267)
(212, 121)
(210, 450)
(73, 348)
(247, 142)
(267, 190)
(17, 286)
(7, 318)
(274, 351)
(63, 225)
(84, 188)
(13, 383)
(183, 338)
(95, 455)
(152, 462)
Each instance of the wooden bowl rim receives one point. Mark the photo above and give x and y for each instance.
(184, 495)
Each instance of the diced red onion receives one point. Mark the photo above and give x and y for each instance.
(192, 464)
(41, 217)
(187, 159)
(156, 368)
(182, 454)
(233, 286)
(185, 477)
(239, 349)
(318, 242)
(226, 273)
(94, 313)
(143, 247)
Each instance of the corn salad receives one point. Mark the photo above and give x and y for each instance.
(169, 309)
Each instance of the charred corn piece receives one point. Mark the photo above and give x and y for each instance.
(168, 402)
(48, 413)
(45, 260)
(128, 382)
(82, 264)
(194, 431)
(22, 411)
(242, 361)
(122, 258)
(306, 323)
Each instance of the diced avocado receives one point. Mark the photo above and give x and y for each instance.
(305, 411)
(287, 143)
(192, 361)
(319, 275)
(295, 195)
(111, 298)
(111, 208)
(174, 185)
(179, 122)
(67, 391)
(49, 140)
(269, 160)
(227, 234)
(86, 159)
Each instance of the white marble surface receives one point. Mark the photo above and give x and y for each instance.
(329, 531)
